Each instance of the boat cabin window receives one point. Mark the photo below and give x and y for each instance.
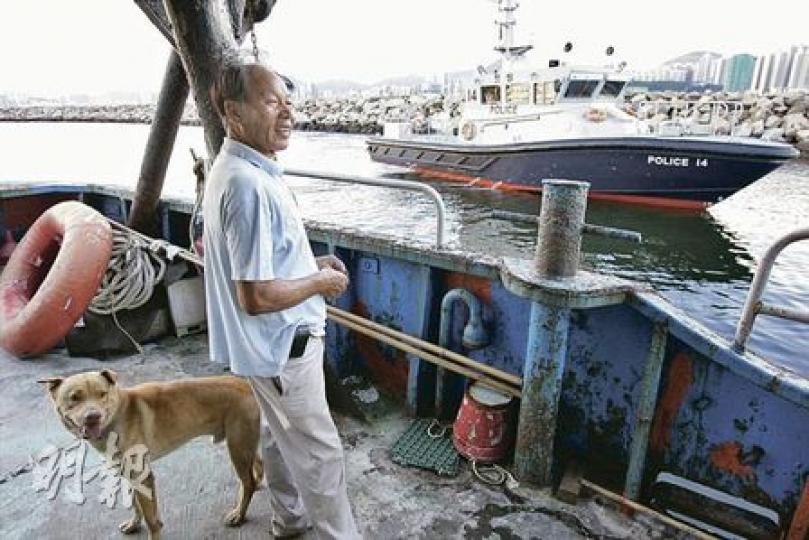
(612, 88)
(581, 88)
(518, 94)
(545, 92)
(490, 94)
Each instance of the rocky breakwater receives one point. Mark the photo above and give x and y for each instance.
(773, 117)
(124, 113)
(369, 114)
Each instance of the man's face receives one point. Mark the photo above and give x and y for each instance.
(265, 118)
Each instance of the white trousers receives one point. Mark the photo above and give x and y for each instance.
(302, 453)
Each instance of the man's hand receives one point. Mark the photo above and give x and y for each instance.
(330, 261)
(332, 283)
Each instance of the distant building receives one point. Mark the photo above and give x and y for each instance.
(737, 73)
(782, 70)
(799, 75)
(780, 74)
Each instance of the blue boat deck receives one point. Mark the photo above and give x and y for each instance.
(612, 376)
(196, 484)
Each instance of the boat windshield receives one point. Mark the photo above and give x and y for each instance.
(612, 88)
(581, 88)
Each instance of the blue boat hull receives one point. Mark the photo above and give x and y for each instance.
(696, 169)
(731, 421)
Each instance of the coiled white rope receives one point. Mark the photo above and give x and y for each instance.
(132, 273)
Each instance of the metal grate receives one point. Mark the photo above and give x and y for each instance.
(416, 448)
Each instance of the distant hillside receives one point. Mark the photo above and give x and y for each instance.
(691, 57)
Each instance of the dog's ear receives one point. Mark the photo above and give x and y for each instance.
(53, 383)
(110, 376)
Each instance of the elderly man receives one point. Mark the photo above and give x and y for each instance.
(266, 311)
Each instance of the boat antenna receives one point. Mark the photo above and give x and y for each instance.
(505, 23)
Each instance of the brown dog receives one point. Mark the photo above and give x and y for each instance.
(163, 417)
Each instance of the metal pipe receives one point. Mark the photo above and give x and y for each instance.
(748, 317)
(450, 356)
(162, 134)
(784, 313)
(561, 220)
(612, 232)
(646, 407)
(461, 370)
(474, 334)
(587, 228)
(385, 182)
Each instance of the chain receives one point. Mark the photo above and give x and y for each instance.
(251, 15)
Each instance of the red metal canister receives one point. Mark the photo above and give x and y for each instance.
(481, 431)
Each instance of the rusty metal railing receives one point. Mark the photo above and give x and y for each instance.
(390, 183)
(754, 306)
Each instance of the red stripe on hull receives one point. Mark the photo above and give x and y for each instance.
(641, 200)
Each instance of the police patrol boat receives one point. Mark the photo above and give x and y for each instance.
(520, 125)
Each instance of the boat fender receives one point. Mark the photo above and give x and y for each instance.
(51, 277)
(468, 131)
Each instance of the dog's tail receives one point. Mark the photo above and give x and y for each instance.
(258, 471)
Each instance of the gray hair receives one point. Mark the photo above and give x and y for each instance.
(231, 84)
(233, 81)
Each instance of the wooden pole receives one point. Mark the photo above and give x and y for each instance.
(166, 122)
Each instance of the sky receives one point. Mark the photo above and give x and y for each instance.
(58, 47)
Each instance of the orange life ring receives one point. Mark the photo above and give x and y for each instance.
(51, 277)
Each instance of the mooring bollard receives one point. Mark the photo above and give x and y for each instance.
(561, 221)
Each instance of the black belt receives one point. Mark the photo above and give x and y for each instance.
(302, 336)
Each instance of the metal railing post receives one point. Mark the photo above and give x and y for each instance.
(753, 305)
(645, 412)
(385, 182)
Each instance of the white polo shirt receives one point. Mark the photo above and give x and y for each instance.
(253, 232)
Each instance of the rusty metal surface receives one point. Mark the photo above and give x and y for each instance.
(584, 290)
(545, 359)
(561, 220)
